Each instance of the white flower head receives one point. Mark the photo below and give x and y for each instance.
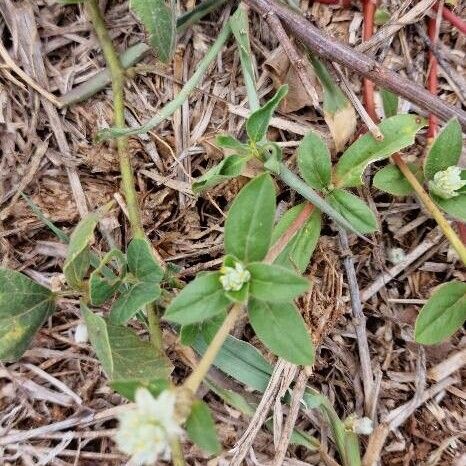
(446, 183)
(363, 426)
(146, 429)
(233, 278)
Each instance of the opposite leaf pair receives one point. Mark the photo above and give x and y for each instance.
(266, 290)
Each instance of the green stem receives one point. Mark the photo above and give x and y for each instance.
(155, 331)
(294, 182)
(178, 101)
(177, 452)
(117, 75)
(197, 376)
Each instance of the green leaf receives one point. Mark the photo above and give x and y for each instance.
(442, 315)
(24, 306)
(142, 263)
(159, 20)
(208, 329)
(456, 206)
(445, 151)
(103, 285)
(200, 428)
(391, 180)
(258, 122)
(200, 300)
(381, 16)
(248, 227)
(144, 289)
(123, 355)
(297, 253)
(398, 131)
(314, 161)
(133, 299)
(354, 209)
(282, 329)
(275, 283)
(225, 141)
(232, 398)
(229, 167)
(240, 27)
(241, 361)
(390, 103)
(78, 257)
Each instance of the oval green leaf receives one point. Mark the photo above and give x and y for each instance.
(248, 227)
(445, 151)
(275, 283)
(200, 428)
(442, 315)
(202, 299)
(282, 329)
(398, 131)
(456, 206)
(314, 161)
(24, 306)
(390, 180)
(355, 210)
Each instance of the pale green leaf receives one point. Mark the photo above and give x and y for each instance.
(391, 180)
(248, 227)
(160, 21)
(297, 253)
(275, 283)
(442, 315)
(24, 306)
(390, 103)
(282, 329)
(226, 141)
(142, 262)
(445, 151)
(399, 132)
(354, 209)
(200, 428)
(314, 161)
(200, 300)
(258, 122)
(456, 206)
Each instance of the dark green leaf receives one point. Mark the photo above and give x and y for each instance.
(78, 257)
(24, 306)
(390, 103)
(248, 227)
(202, 299)
(390, 179)
(123, 355)
(398, 131)
(282, 329)
(275, 283)
(445, 151)
(229, 167)
(103, 285)
(456, 206)
(208, 329)
(133, 299)
(314, 161)
(354, 209)
(159, 20)
(442, 315)
(258, 122)
(142, 263)
(200, 428)
(297, 253)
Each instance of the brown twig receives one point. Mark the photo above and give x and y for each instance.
(367, 32)
(334, 50)
(453, 19)
(432, 77)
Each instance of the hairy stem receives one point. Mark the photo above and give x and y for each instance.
(155, 331)
(195, 379)
(177, 452)
(117, 76)
(429, 204)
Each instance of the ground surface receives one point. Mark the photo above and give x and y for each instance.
(50, 156)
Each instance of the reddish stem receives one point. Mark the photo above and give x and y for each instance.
(432, 80)
(369, 7)
(453, 19)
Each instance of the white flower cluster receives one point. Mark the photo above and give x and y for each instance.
(233, 278)
(446, 183)
(146, 430)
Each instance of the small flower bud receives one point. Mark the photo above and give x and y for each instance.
(446, 183)
(233, 278)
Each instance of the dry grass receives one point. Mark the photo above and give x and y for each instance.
(55, 405)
